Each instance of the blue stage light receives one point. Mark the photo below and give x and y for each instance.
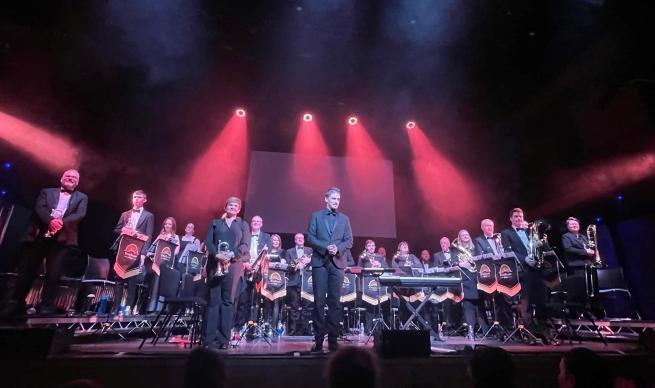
(7, 165)
(599, 219)
(619, 197)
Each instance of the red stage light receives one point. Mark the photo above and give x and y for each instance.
(352, 120)
(240, 112)
(410, 125)
(307, 117)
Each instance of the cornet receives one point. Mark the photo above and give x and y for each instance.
(465, 256)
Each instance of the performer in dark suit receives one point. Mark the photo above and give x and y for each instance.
(469, 283)
(576, 247)
(330, 236)
(404, 259)
(533, 288)
(258, 240)
(490, 243)
(223, 290)
(51, 234)
(443, 259)
(298, 258)
(133, 222)
(370, 259)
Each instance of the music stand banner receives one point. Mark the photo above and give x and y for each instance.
(508, 277)
(128, 256)
(275, 284)
(487, 281)
(164, 252)
(370, 290)
(307, 289)
(348, 288)
(194, 263)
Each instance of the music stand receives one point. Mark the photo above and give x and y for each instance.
(379, 317)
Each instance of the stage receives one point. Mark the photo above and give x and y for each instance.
(288, 363)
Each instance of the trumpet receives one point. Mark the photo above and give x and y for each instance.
(465, 256)
(593, 244)
(224, 255)
(370, 257)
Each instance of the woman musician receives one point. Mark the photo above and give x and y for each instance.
(275, 255)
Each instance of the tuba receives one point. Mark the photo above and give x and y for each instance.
(465, 256)
(593, 244)
(537, 242)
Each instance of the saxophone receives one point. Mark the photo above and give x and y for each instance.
(593, 244)
(465, 256)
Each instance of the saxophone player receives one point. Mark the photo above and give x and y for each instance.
(577, 252)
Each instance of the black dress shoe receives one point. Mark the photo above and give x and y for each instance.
(316, 348)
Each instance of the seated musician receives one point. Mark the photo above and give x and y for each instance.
(275, 255)
(167, 233)
(576, 247)
(404, 261)
(298, 258)
(370, 259)
(429, 311)
(463, 252)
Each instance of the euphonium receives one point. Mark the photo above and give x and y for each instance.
(533, 244)
(593, 244)
(465, 257)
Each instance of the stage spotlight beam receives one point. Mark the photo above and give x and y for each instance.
(240, 112)
(410, 125)
(307, 117)
(352, 120)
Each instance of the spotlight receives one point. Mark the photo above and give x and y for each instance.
(598, 219)
(3, 193)
(240, 112)
(619, 197)
(410, 125)
(352, 120)
(7, 165)
(307, 117)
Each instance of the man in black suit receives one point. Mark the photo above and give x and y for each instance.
(258, 240)
(443, 259)
(576, 247)
(533, 288)
(330, 236)
(298, 258)
(224, 290)
(134, 222)
(50, 235)
(490, 243)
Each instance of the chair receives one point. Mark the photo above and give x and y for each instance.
(95, 277)
(174, 305)
(611, 285)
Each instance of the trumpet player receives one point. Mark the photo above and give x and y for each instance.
(463, 251)
(370, 259)
(230, 229)
(577, 251)
(298, 258)
(404, 259)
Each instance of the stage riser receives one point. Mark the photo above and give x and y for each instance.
(534, 370)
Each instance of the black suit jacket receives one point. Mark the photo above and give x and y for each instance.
(145, 225)
(293, 277)
(264, 239)
(440, 259)
(238, 233)
(45, 202)
(574, 249)
(320, 235)
(482, 245)
(512, 242)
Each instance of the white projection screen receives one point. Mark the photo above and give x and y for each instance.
(286, 188)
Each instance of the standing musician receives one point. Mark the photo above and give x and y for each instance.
(490, 243)
(330, 235)
(577, 252)
(463, 253)
(443, 259)
(533, 289)
(297, 257)
(223, 290)
(258, 240)
(134, 222)
(429, 311)
(275, 255)
(188, 243)
(51, 234)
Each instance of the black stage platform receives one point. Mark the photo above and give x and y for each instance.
(286, 363)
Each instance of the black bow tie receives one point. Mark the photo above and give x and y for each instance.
(136, 210)
(64, 190)
(332, 213)
(491, 238)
